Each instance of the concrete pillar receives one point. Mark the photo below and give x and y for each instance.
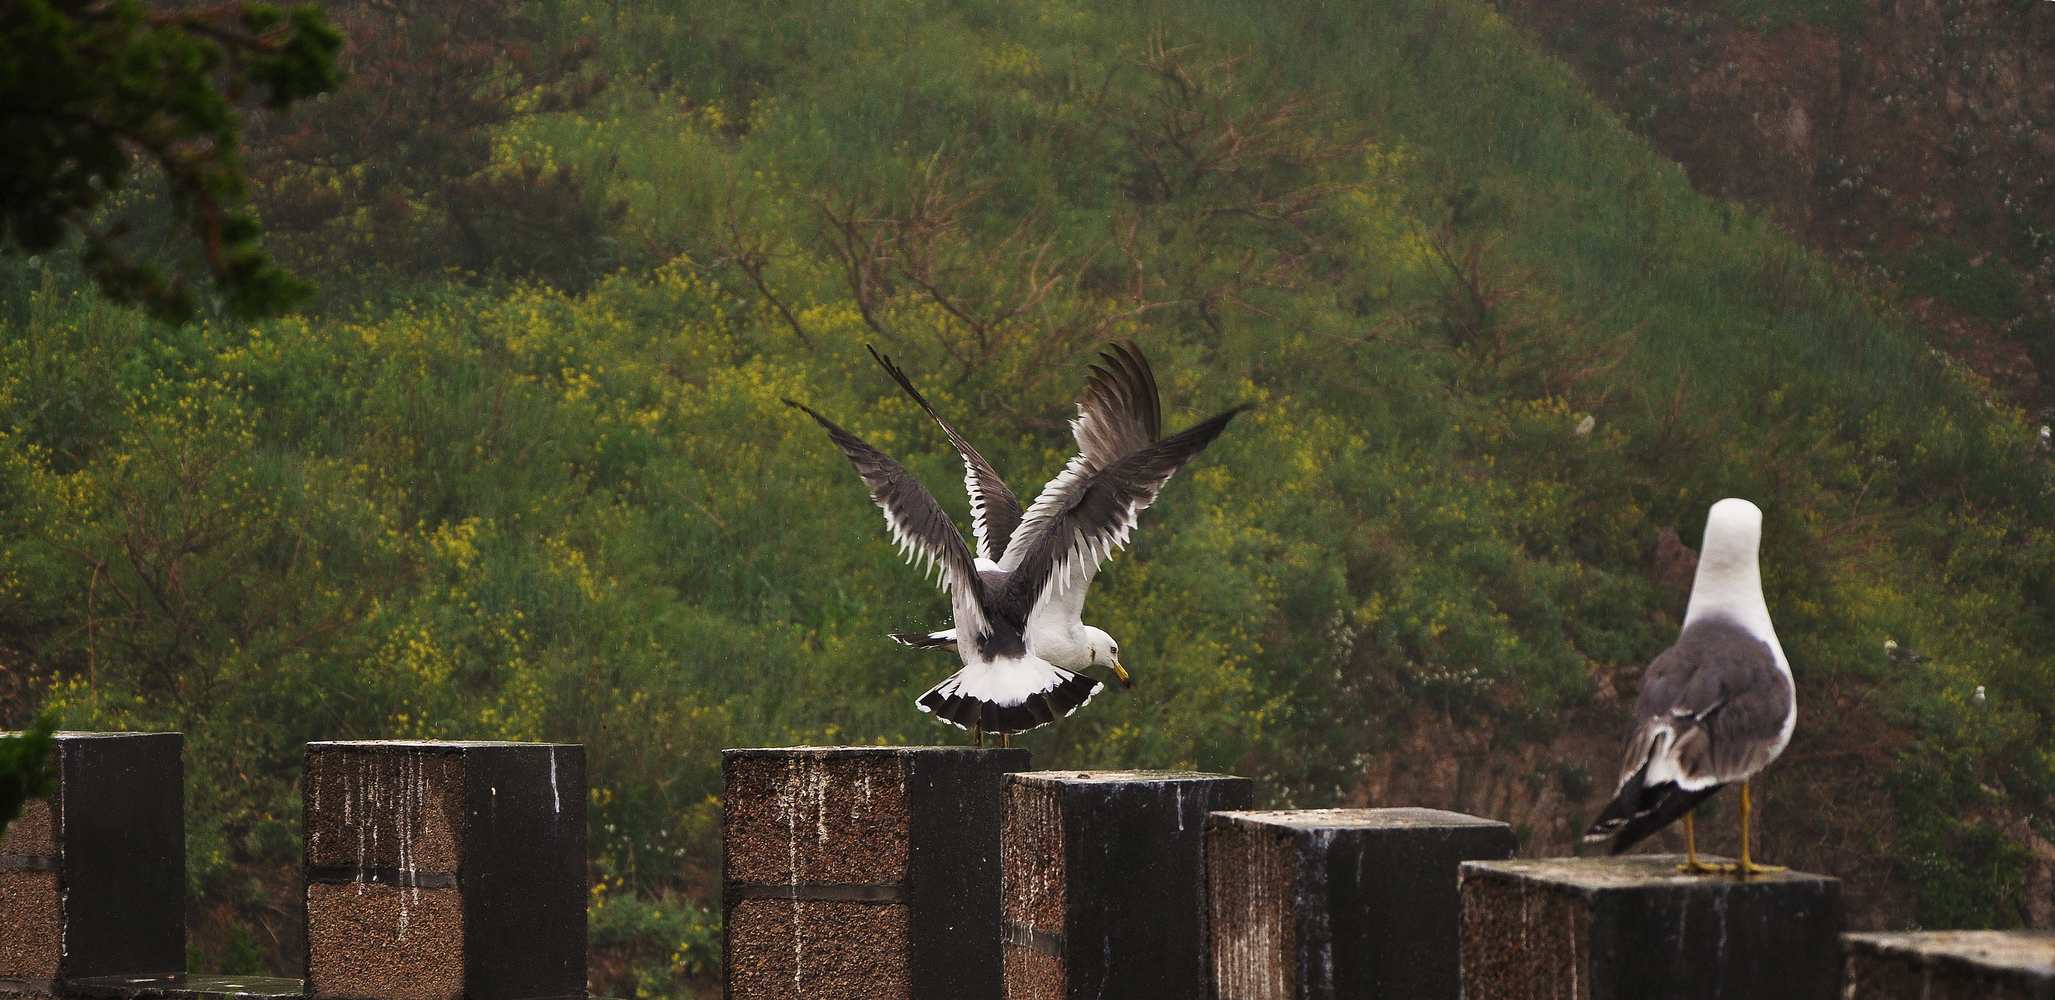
(1105, 884)
(863, 873)
(1325, 904)
(1949, 965)
(92, 880)
(440, 871)
(1632, 927)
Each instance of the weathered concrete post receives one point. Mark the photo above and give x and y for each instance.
(1105, 883)
(863, 873)
(439, 871)
(92, 880)
(1323, 904)
(1632, 927)
(1949, 965)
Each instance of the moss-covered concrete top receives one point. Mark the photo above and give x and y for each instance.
(183, 987)
(1355, 819)
(2030, 952)
(1115, 777)
(425, 745)
(1634, 871)
(869, 751)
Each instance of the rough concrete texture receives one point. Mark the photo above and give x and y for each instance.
(1949, 965)
(30, 932)
(1630, 927)
(1252, 879)
(912, 828)
(831, 815)
(524, 878)
(956, 797)
(121, 820)
(1394, 913)
(1133, 875)
(384, 942)
(1524, 941)
(818, 950)
(1325, 903)
(33, 834)
(393, 806)
(1033, 975)
(1031, 857)
(182, 987)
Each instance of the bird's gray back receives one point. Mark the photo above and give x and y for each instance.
(1723, 682)
(999, 602)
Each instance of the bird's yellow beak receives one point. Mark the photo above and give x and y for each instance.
(1120, 673)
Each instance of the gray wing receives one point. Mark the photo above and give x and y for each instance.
(923, 530)
(1088, 511)
(994, 510)
(1119, 412)
(1711, 711)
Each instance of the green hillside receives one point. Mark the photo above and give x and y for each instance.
(571, 506)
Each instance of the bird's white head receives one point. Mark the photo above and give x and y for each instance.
(1729, 580)
(1105, 652)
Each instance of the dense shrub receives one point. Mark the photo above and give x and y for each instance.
(1496, 345)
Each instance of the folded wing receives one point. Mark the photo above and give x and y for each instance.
(1713, 710)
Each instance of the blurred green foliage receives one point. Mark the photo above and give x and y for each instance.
(25, 768)
(89, 88)
(573, 508)
(405, 173)
(1955, 274)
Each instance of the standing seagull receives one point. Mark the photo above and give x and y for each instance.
(1016, 611)
(1715, 708)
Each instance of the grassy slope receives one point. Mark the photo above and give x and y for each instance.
(512, 513)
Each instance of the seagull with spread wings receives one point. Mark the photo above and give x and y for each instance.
(1018, 599)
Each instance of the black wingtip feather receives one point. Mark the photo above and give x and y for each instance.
(899, 375)
(1211, 427)
(1652, 808)
(811, 412)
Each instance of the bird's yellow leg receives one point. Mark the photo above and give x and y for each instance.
(977, 736)
(1748, 866)
(1691, 865)
(1005, 739)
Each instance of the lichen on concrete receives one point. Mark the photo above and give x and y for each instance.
(815, 819)
(382, 806)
